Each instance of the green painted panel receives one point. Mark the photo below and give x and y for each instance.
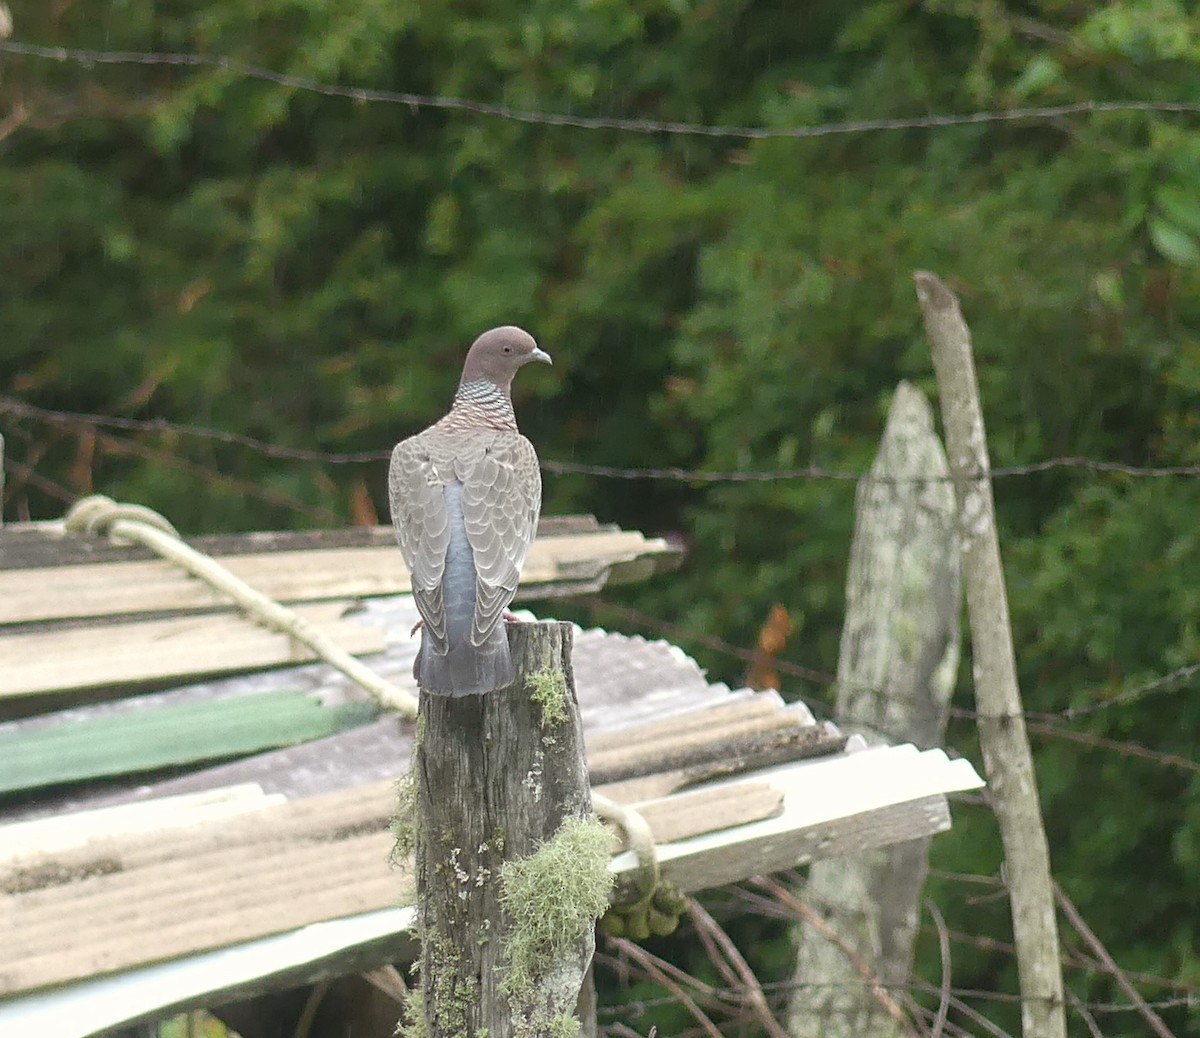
(140, 740)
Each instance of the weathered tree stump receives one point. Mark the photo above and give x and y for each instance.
(512, 870)
(896, 672)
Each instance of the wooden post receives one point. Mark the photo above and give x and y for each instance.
(512, 870)
(1002, 736)
(896, 672)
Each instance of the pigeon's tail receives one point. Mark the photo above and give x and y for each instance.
(465, 670)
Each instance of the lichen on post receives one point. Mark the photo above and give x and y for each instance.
(511, 868)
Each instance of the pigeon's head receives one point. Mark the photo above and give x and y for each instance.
(497, 354)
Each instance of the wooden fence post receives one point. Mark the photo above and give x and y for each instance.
(512, 869)
(1002, 736)
(896, 671)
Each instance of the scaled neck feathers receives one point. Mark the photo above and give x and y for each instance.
(481, 402)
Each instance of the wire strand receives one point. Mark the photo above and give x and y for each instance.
(489, 109)
(679, 475)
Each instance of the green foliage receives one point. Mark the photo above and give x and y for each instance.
(191, 244)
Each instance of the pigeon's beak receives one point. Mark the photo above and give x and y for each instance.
(542, 355)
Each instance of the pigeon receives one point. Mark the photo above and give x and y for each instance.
(465, 496)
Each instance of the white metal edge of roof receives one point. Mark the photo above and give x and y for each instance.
(842, 786)
(852, 784)
(82, 1009)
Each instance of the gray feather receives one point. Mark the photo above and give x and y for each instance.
(466, 667)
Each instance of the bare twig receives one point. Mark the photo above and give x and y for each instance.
(813, 918)
(977, 1018)
(1085, 1015)
(15, 118)
(939, 1022)
(646, 961)
(1072, 913)
(720, 961)
(707, 926)
(624, 1031)
(967, 877)
(29, 476)
(922, 1013)
(682, 976)
(311, 1005)
(1134, 692)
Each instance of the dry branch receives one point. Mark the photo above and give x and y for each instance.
(1109, 963)
(1002, 735)
(813, 919)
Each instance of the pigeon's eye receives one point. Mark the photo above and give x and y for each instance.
(507, 349)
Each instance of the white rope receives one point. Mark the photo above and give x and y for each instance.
(638, 835)
(98, 515)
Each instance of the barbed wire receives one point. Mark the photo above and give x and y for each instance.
(1046, 724)
(817, 472)
(488, 109)
(1123, 747)
(163, 426)
(1133, 693)
(823, 676)
(710, 641)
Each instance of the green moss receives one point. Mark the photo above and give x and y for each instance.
(450, 996)
(548, 688)
(453, 995)
(404, 819)
(564, 1025)
(553, 896)
(412, 1024)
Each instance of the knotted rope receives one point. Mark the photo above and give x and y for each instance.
(98, 515)
(649, 904)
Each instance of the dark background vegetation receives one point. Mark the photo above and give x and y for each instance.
(200, 246)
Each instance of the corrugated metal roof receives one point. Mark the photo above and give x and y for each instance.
(638, 694)
(620, 680)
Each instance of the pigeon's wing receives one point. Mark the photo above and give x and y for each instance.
(415, 482)
(502, 496)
